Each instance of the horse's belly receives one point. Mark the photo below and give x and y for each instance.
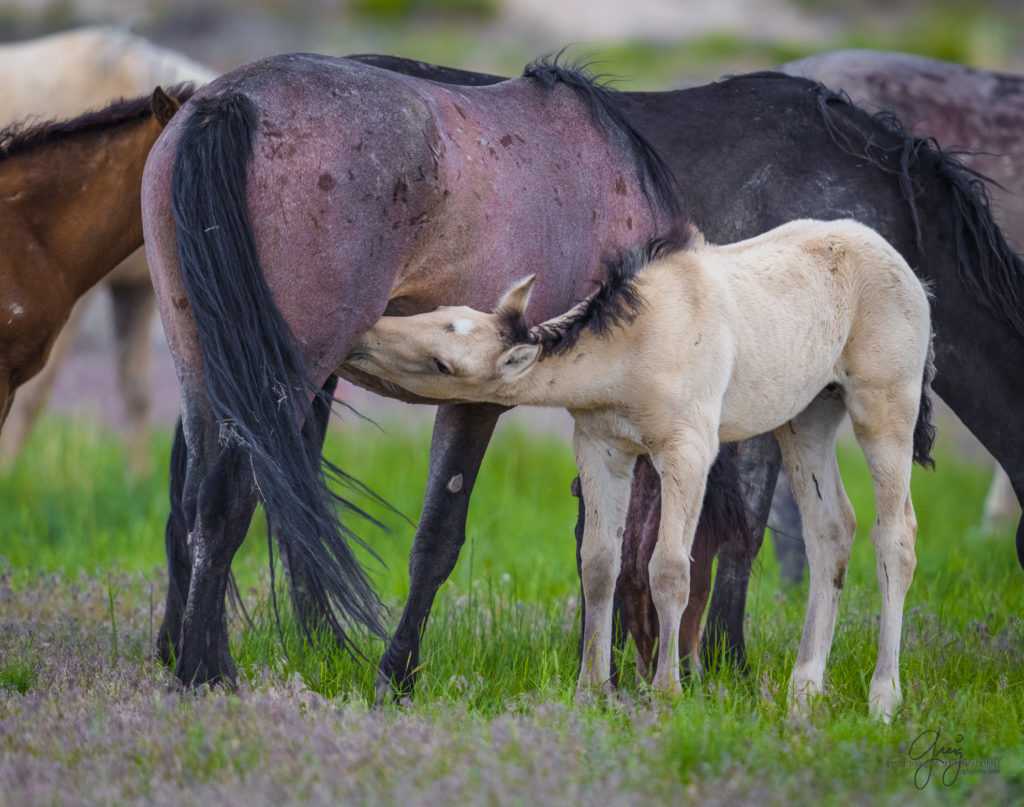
(752, 409)
(611, 427)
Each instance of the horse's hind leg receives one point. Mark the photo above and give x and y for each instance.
(179, 561)
(808, 453)
(224, 506)
(460, 438)
(134, 305)
(883, 423)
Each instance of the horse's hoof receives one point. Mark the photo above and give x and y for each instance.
(194, 676)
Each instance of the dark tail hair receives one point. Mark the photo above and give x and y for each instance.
(994, 274)
(924, 429)
(256, 379)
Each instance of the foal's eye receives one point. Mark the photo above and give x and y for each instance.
(442, 368)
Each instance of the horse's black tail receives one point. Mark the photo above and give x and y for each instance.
(256, 379)
(924, 429)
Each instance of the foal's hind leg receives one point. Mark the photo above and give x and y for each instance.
(883, 422)
(809, 456)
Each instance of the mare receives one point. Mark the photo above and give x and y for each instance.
(333, 166)
(58, 77)
(686, 345)
(70, 192)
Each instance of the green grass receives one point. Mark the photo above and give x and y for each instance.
(501, 643)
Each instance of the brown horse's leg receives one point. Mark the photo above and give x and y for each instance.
(460, 438)
(134, 305)
(34, 394)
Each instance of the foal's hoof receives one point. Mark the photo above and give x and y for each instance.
(884, 701)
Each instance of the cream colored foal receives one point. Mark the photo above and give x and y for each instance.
(682, 349)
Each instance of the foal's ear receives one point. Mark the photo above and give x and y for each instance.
(163, 106)
(515, 361)
(517, 297)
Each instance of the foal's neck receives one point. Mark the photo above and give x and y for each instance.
(594, 373)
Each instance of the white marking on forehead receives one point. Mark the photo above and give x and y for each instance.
(463, 325)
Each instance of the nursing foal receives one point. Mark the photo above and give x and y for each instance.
(787, 331)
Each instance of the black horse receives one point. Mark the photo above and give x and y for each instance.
(747, 154)
(751, 152)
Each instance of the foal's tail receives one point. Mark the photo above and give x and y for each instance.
(924, 429)
(256, 379)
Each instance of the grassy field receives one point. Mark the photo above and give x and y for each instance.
(86, 715)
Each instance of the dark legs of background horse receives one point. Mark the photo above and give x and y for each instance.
(133, 307)
(787, 531)
(460, 438)
(759, 461)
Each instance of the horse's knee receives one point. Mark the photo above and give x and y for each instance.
(670, 577)
(597, 567)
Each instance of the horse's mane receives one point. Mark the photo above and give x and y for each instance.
(603, 105)
(994, 275)
(17, 138)
(615, 302)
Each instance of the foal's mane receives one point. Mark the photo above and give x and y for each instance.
(17, 138)
(603, 104)
(615, 302)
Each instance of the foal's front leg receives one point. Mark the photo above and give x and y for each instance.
(605, 481)
(683, 465)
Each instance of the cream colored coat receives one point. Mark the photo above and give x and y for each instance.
(788, 332)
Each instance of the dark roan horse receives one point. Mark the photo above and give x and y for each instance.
(341, 191)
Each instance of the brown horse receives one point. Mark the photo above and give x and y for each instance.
(70, 192)
(60, 76)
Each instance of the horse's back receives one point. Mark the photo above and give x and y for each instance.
(962, 107)
(373, 187)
